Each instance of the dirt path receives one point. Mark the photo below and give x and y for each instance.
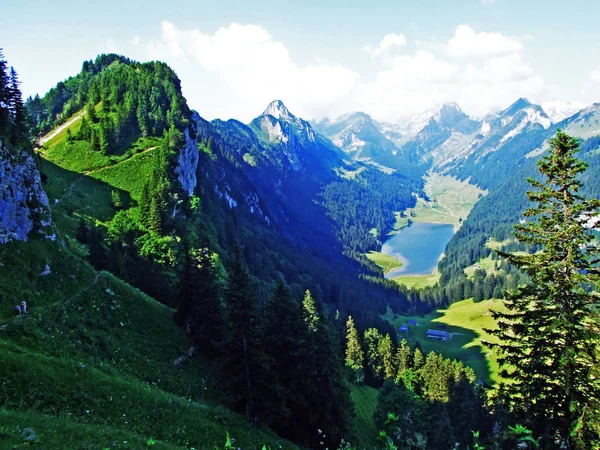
(94, 281)
(100, 169)
(68, 191)
(54, 133)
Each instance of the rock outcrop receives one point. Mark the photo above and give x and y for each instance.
(187, 164)
(23, 202)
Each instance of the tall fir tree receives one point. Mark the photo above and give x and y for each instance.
(354, 353)
(373, 363)
(286, 342)
(199, 307)
(550, 334)
(404, 357)
(310, 312)
(386, 355)
(247, 372)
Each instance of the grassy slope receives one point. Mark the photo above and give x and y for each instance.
(418, 281)
(95, 356)
(466, 320)
(386, 262)
(365, 402)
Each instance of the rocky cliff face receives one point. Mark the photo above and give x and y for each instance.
(23, 203)
(187, 163)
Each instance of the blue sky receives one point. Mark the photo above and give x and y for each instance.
(323, 58)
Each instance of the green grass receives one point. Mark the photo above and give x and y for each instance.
(364, 399)
(386, 262)
(450, 201)
(20, 430)
(418, 281)
(94, 360)
(467, 321)
(129, 175)
(486, 263)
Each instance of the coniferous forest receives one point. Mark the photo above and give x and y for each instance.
(175, 282)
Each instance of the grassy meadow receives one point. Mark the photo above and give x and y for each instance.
(386, 262)
(466, 321)
(450, 201)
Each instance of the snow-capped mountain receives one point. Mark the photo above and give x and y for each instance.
(558, 111)
(442, 133)
(293, 137)
(358, 135)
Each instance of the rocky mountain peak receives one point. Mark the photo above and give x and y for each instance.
(278, 110)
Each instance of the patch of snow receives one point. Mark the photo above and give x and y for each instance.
(485, 128)
(533, 116)
(558, 111)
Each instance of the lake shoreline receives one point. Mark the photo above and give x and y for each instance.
(419, 247)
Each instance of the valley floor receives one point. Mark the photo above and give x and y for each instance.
(450, 201)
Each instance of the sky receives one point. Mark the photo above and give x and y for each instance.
(390, 59)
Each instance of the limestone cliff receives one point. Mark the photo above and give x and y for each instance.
(23, 203)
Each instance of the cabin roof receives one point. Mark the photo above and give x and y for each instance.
(437, 333)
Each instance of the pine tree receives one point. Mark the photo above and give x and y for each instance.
(386, 356)
(418, 359)
(403, 357)
(285, 340)
(373, 363)
(354, 353)
(551, 333)
(246, 372)
(144, 205)
(310, 313)
(17, 109)
(85, 131)
(328, 398)
(155, 218)
(199, 306)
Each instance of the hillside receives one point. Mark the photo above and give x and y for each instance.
(95, 361)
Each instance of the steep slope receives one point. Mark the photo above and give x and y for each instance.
(438, 136)
(358, 135)
(272, 188)
(95, 359)
(501, 144)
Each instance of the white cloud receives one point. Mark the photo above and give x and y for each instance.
(387, 43)
(591, 87)
(254, 68)
(594, 75)
(237, 70)
(488, 3)
(468, 43)
(135, 41)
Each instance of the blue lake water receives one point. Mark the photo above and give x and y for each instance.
(419, 247)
